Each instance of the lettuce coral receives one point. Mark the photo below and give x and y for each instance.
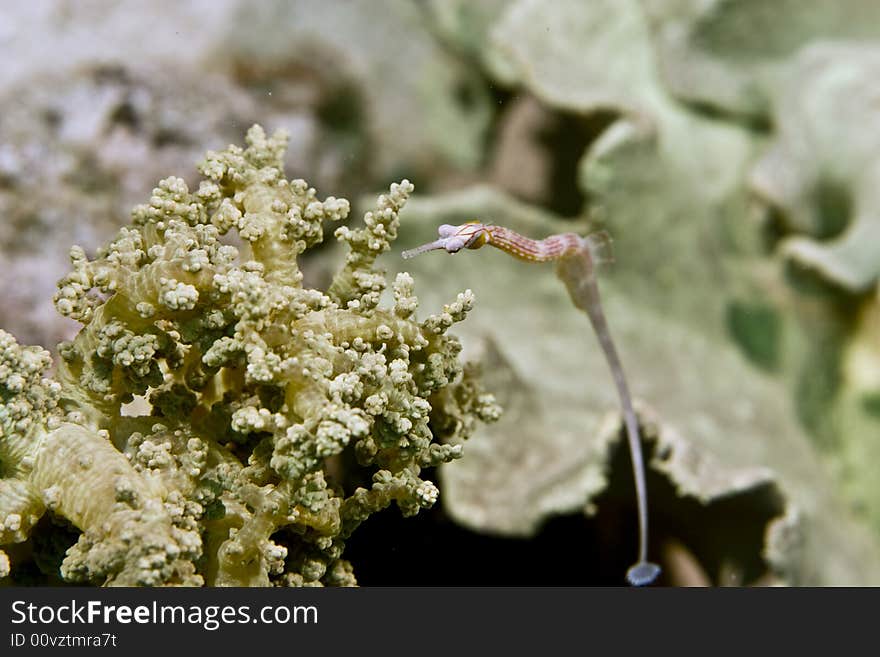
(214, 421)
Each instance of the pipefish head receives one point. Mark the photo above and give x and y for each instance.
(453, 239)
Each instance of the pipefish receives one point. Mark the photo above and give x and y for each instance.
(577, 259)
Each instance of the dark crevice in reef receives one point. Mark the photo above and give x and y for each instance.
(38, 561)
(537, 150)
(567, 136)
(727, 536)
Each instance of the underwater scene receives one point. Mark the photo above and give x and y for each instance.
(440, 293)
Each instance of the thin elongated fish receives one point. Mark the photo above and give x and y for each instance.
(577, 259)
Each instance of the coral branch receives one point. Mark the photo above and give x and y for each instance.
(258, 396)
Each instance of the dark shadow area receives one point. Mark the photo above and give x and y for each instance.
(567, 136)
(37, 562)
(571, 550)
(536, 152)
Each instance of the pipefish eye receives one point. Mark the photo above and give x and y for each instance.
(478, 239)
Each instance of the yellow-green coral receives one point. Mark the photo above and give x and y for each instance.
(279, 417)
